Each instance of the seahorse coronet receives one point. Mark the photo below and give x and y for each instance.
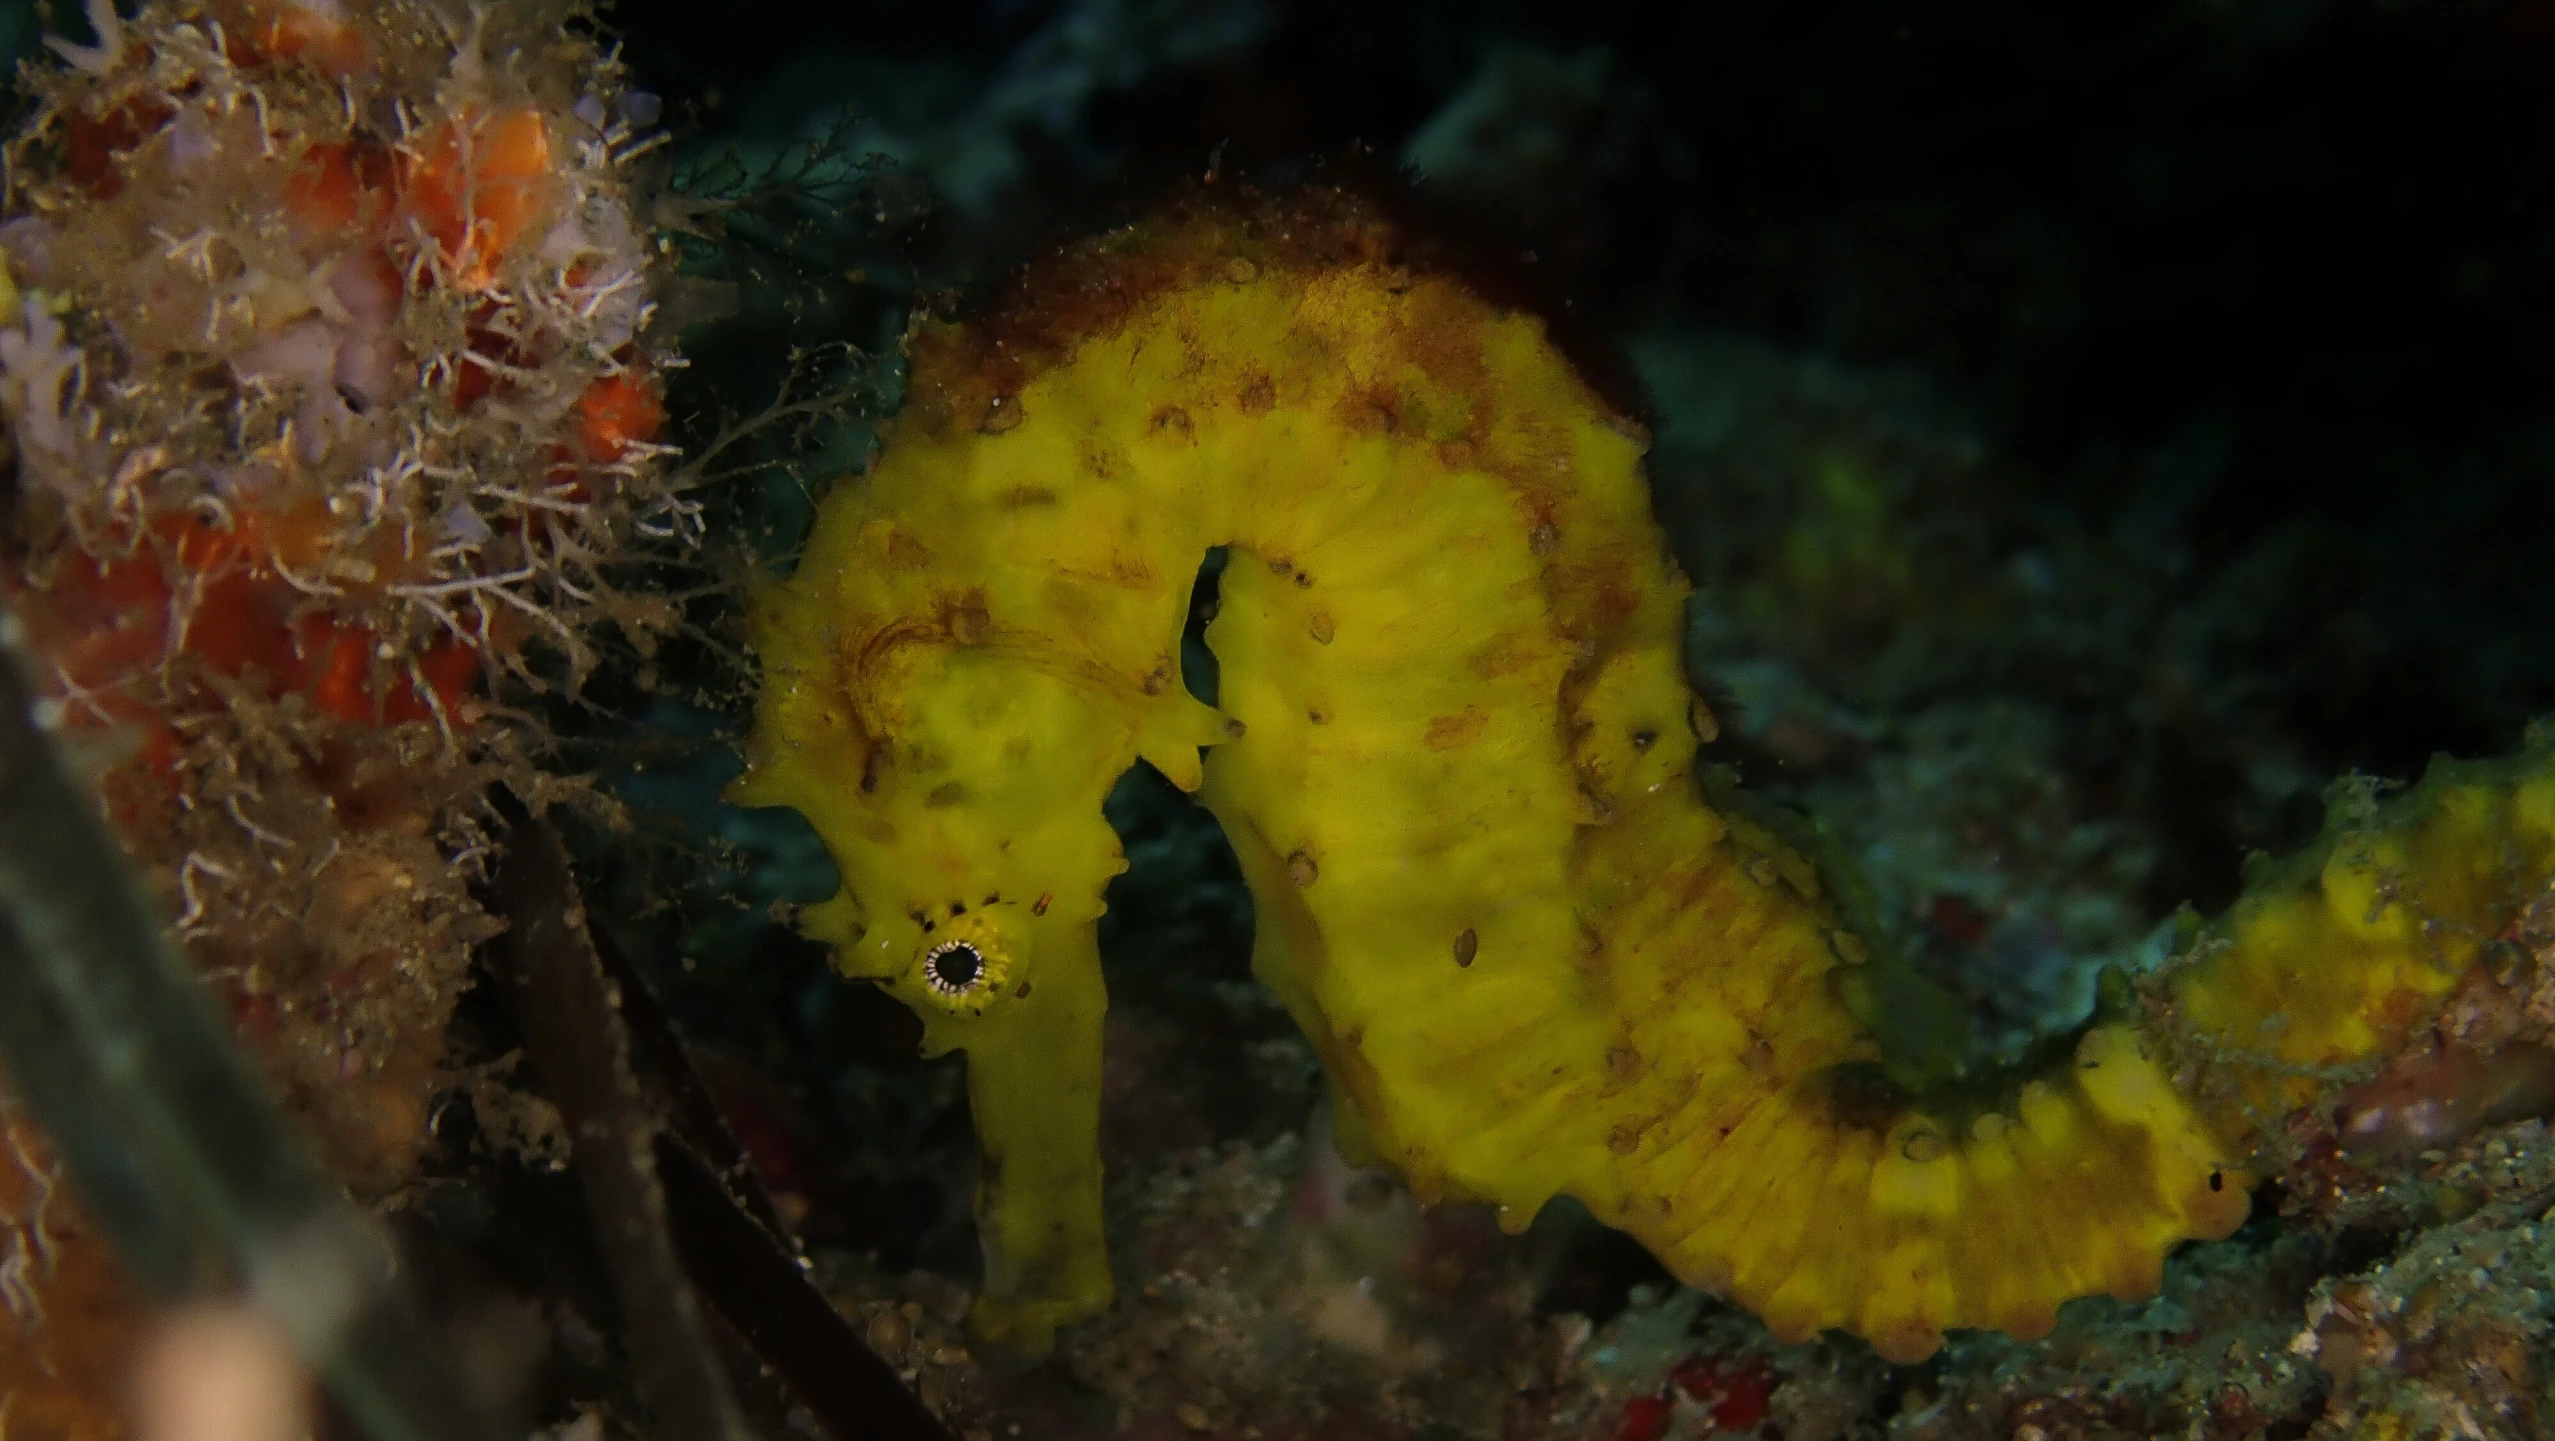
(1455, 752)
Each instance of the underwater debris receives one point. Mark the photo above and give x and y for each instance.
(568, 1007)
(682, 1219)
(2448, 1339)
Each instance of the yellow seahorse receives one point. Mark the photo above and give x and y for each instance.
(1454, 748)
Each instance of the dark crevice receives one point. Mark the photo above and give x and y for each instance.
(1197, 663)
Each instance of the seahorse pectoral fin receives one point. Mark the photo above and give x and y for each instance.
(1173, 733)
(1921, 1026)
(1033, 1083)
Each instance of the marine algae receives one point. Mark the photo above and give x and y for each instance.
(1455, 749)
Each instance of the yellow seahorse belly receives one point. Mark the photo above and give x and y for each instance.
(1454, 749)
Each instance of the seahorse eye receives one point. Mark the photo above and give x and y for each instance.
(953, 968)
(968, 961)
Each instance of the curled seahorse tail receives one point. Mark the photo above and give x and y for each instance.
(1818, 1191)
(1745, 1127)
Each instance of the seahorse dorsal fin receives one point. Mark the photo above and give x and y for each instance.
(1174, 731)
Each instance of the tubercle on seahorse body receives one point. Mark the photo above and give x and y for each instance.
(1454, 751)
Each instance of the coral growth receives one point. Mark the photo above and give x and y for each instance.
(331, 395)
(2449, 1339)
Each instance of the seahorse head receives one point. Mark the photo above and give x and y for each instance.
(943, 773)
